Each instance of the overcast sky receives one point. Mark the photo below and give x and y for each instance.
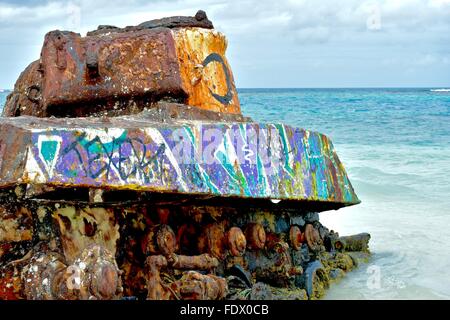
(291, 43)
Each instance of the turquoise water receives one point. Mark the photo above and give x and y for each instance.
(395, 145)
(3, 95)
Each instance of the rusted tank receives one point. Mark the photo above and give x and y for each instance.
(127, 171)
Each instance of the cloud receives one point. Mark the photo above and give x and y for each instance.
(338, 16)
(11, 14)
(290, 36)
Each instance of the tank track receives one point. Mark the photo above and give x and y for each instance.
(170, 249)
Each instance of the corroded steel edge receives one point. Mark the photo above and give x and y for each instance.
(251, 160)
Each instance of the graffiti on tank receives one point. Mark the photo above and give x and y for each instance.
(74, 156)
(247, 159)
(123, 157)
(224, 99)
(49, 147)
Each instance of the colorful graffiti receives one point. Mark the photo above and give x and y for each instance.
(235, 159)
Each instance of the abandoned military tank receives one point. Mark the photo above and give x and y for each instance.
(127, 171)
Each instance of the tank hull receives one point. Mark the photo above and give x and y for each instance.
(173, 209)
(127, 171)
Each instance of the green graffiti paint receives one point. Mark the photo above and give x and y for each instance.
(48, 151)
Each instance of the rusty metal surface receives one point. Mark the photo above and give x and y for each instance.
(256, 236)
(45, 275)
(153, 259)
(166, 112)
(207, 76)
(15, 225)
(312, 237)
(357, 242)
(115, 67)
(80, 228)
(116, 73)
(200, 20)
(26, 97)
(247, 160)
(296, 237)
(191, 286)
(236, 241)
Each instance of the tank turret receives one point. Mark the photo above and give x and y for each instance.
(114, 71)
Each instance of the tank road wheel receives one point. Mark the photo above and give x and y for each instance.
(296, 237)
(213, 240)
(166, 240)
(236, 241)
(312, 237)
(256, 236)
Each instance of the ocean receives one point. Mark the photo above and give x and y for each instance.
(395, 145)
(3, 95)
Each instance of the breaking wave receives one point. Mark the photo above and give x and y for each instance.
(440, 90)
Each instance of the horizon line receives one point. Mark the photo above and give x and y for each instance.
(432, 87)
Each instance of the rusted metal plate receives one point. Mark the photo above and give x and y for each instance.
(26, 97)
(117, 70)
(200, 20)
(116, 66)
(80, 228)
(15, 225)
(247, 160)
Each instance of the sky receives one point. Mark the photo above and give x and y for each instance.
(290, 43)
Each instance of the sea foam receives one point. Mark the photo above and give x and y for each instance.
(440, 90)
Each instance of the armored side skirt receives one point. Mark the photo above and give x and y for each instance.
(245, 160)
